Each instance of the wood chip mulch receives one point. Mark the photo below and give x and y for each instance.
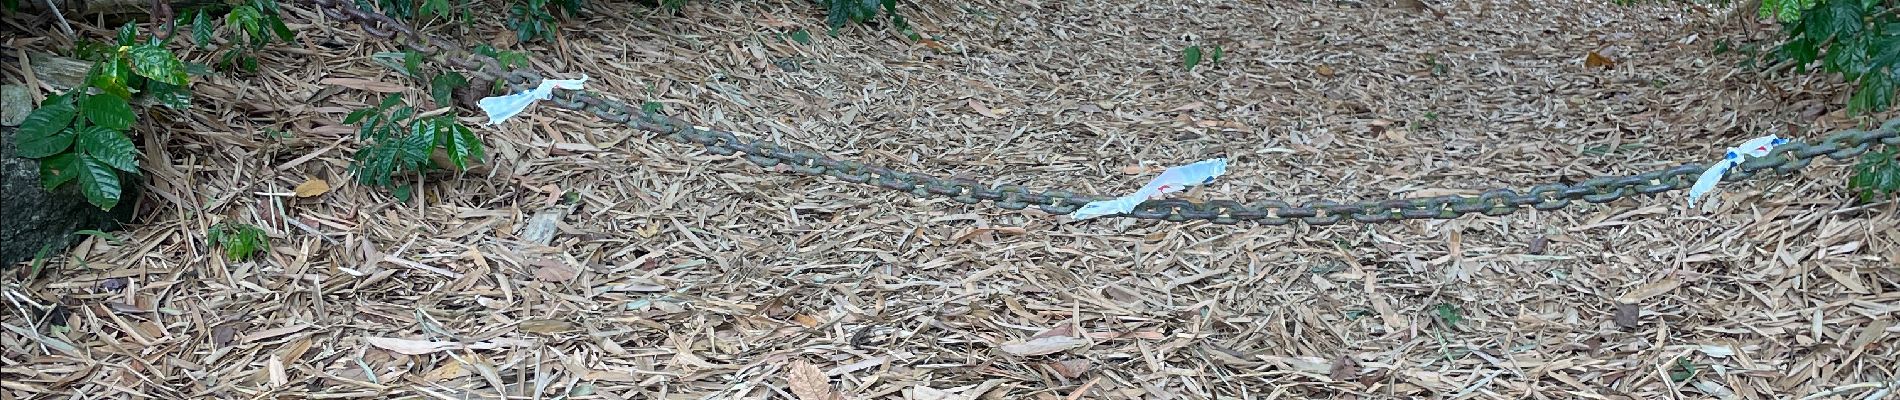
(679, 274)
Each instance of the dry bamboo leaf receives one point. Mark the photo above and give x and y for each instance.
(546, 326)
(312, 187)
(1649, 290)
(1044, 345)
(1324, 70)
(278, 377)
(420, 347)
(983, 109)
(808, 382)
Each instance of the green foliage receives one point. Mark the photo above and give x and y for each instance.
(838, 13)
(81, 136)
(1877, 175)
(401, 142)
(1859, 39)
(533, 20)
(1192, 56)
(240, 241)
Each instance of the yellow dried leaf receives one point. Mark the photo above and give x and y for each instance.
(805, 320)
(312, 187)
(1594, 60)
(449, 370)
(1324, 70)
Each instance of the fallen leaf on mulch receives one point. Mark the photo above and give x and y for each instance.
(1044, 345)
(1324, 70)
(312, 187)
(1626, 315)
(1649, 290)
(808, 382)
(1595, 60)
(1072, 368)
(1344, 368)
(554, 271)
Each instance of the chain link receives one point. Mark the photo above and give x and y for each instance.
(1784, 159)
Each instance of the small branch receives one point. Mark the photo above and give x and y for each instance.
(68, 28)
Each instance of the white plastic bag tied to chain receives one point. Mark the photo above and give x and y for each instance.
(500, 108)
(1756, 147)
(1172, 180)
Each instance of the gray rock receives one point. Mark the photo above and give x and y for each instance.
(32, 219)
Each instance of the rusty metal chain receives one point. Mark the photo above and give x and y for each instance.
(1786, 158)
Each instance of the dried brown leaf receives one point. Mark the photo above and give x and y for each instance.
(808, 383)
(552, 270)
(983, 109)
(1626, 315)
(364, 84)
(1071, 368)
(1344, 368)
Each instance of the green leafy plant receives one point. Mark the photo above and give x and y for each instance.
(534, 20)
(240, 241)
(1859, 39)
(1192, 56)
(81, 136)
(1877, 175)
(253, 23)
(402, 142)
(838, 13)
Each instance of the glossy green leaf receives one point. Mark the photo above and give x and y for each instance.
(1191, 57)
(276, 24)
(1874, 94)
(173, 97)
(57, 170)
(157, 63)
(107, 110)
(1836, 18)
(244, 20)
(113, 76)
(442, 87)
(44, 132)
(110, 147)
(412, 63)
(1847, 57)
(128, 34)
(201, 29)
(415, 149)
(98, 182)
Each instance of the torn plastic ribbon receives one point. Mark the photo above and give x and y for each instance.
(1756, 147)
(1172, 180)
(500, 108)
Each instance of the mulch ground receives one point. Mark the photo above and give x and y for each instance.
(681, 274)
